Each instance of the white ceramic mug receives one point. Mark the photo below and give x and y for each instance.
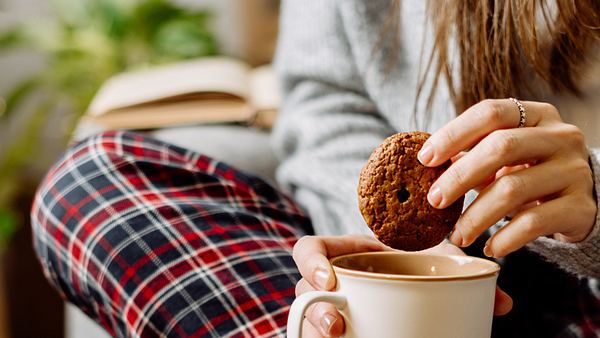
(407, 295)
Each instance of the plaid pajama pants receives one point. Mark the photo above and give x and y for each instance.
(152, 240)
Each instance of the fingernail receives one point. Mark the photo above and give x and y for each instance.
(320, 278)
(487, 250)
(456, 238)
(435, 196)
(425, 155)
(327, 323)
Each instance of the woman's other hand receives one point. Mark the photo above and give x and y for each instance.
(312, 253)
(539, 174)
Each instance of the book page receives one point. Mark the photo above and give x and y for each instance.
(213, 75)
(175, 113)
(264, 91)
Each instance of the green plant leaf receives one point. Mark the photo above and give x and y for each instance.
(20, 93)
(22, 150)
(12, 38)
(8, 226)
(2, 106)
(184, 39)
(72, 12)
(156, 12)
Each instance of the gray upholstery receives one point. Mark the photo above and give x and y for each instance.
(245, 148)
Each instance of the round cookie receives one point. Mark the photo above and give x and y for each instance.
(392, 195)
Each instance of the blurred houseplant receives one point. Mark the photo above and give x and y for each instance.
(88, 42)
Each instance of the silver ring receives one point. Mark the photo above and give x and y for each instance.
(522, 115)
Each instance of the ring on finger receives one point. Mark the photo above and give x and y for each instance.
(522, 114)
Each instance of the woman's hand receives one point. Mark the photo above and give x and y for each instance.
(312, 253)
(539, 173)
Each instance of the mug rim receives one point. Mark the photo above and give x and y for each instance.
(492, 271)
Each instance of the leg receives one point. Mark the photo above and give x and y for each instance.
(153, 240)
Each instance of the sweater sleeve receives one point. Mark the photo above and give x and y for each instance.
(582, 258)
(328, 125)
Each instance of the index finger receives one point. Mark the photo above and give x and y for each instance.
(312, 253)
(476, 123)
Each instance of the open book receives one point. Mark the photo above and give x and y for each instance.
(208, 90)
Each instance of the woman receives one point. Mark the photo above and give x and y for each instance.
(154, 240)
(352, 79)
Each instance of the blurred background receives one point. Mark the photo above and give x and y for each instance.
(54, 55)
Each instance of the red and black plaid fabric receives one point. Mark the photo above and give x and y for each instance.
(152, 240)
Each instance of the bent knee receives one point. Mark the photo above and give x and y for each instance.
(73, 192)
(68, 185)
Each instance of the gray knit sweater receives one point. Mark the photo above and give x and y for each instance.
(342, 100)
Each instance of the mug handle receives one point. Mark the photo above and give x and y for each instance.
(299, 306)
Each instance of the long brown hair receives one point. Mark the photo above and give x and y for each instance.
(501, 44)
